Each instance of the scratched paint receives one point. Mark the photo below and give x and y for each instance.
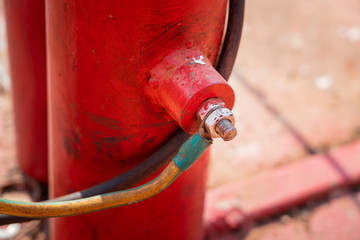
(199, 82)
(114, 46)
(199, 61)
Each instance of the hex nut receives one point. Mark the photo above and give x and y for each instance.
(208, 106)
(214, 118)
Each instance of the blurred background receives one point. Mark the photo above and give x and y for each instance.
(297, 84)
(297, 81)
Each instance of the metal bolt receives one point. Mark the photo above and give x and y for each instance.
(226, 130)
(216, 120)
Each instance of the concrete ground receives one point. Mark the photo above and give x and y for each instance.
(297, 83)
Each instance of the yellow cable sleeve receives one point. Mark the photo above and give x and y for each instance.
(91, 204)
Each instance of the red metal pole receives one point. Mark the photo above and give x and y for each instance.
(100, 56)
(25, 20)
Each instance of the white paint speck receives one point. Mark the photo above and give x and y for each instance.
(323, 82)
(199, 61)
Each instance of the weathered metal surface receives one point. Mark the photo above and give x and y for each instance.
(182, 82)
(25, 21)
(100, 55)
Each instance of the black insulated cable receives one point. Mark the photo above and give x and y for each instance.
(163, 155)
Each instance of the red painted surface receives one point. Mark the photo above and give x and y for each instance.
(278, 189)
(182, 82)
(25, 22)
(100, 55)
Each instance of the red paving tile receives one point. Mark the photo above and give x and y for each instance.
(293, 230)
(338, 219)
(276, 190)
